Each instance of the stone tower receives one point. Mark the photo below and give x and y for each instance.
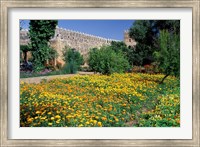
(127, 40)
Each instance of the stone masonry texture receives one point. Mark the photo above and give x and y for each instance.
(79, 41)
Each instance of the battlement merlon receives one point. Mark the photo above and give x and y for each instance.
(82, 42)
(82, 33)
(60, 31)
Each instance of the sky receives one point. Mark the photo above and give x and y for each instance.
(110, 29)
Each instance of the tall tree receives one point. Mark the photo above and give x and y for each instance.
(172, 26)
(168, 55)
(40, 32)
(146, 34)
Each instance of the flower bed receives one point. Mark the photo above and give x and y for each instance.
(117, 100)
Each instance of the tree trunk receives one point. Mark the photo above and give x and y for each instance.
(164, 78)
(25, 56)
(55, 63)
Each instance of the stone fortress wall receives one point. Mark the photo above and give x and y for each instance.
(79, 41)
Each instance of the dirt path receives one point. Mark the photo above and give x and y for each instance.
(38, 79)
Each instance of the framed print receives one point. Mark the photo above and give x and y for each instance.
(101, 107)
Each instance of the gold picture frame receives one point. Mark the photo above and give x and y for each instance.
(5, 5)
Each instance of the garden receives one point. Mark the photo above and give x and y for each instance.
(131, 86)
(118, 100)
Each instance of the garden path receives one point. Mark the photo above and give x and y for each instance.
(39, 79)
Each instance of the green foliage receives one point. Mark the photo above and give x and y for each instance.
(70, 68)
(72, 55)
(146, 34)
(139, 54)
(106, 61)
(172, 26)
(169, 54)
(126, 51)
(119, 47)
(73, 60)
(41, 56)
(40, 33)
(52, 53)
(21, 60)
(24, 48)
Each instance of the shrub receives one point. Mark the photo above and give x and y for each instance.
(73, 58)
(107, 61)
(70, 68)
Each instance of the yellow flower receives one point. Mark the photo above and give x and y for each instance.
(99, 124)
(69, 116)
(123, 112)
(94, 121)
(116, 119)
(43, 117)
(38, 112)
(112, 94)
(80, 125)
(57, 116)
(30, 120)
(50, 124)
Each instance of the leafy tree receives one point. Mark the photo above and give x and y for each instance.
(122, 47)
(146, 34)
(118, 46)
(106, 61)
(40, 32)
(172, 26)
(73, 60)
(168, 55)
